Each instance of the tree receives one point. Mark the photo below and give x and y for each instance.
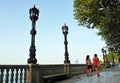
(103, 15)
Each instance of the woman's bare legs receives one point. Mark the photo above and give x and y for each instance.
(90, 72)
(97, 71)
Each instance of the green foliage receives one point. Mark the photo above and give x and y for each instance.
(113, 56)
(101, 62)
(84, 12)
(103, 15)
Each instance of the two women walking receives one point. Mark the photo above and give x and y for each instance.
(95, 63)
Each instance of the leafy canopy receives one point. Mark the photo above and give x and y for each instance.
(103, 15)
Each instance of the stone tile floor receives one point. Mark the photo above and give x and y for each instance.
(106, 76)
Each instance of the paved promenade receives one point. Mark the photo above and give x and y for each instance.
(106, 76)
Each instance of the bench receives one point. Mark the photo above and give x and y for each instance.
(54, 77)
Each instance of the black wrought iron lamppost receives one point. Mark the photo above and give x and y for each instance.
(65, 32)
(105, 56)
(34, 13)
(112, 50)
(103, 51)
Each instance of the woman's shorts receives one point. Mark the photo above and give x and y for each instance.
(89, 66)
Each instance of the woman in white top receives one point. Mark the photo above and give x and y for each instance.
(89, 65)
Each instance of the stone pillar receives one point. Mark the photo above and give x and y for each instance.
(67, 68)
(32, 73)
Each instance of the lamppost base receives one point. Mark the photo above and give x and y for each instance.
(32, 73)
(32, 60)
(67, 68)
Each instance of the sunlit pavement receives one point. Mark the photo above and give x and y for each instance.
(111, 75)
(107, 76)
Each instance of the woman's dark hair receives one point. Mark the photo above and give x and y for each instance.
(95, 55)
(87, 57)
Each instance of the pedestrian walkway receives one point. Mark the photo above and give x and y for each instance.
(111, 75)
(106, 77)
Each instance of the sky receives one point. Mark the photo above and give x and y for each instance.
(15, 38)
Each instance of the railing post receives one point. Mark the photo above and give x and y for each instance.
(32, 73)
(67, 68)
(0, 79)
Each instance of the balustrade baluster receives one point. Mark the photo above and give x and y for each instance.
(16, 79)
(2, 75)
(25, 75)
(21, 74)
(7, 76)
(12, 75)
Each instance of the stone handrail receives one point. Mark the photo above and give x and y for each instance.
(77, 69)
(59, 68)
(51, 69)
(22, 73)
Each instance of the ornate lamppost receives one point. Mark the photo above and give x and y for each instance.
(112, 50)
(67, 67)
(103, 51)
(105, 56)
(34, 13)
(65, 32)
